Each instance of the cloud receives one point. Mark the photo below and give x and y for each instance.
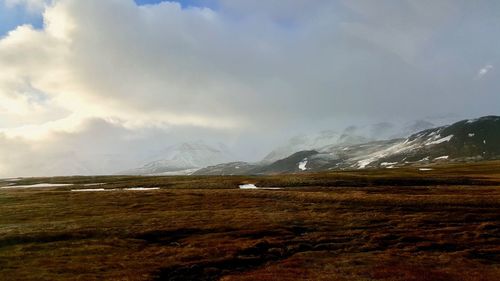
(94, 147)
(32, 6)
(483, 71)
(243, 68)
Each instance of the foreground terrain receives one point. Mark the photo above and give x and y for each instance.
(401, 224)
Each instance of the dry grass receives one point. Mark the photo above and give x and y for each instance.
(372, 225)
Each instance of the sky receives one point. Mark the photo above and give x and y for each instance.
(98, 86)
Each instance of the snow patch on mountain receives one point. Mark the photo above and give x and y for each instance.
(440, 140)
(442, 158)
(303, 165)
(391, 150)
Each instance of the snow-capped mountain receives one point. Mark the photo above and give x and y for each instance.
(184, 158)
(468, 140)
(228, 169)
(351, 135)
(305, 142)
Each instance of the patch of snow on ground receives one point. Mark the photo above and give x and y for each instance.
(39, 185)
(91, 190)
(303, 165)
(94, 184)
(141, 188)
(471, 135)
(388, 163)
(441, 140)
(442, 158)
(248, 186)
(252, 186)
(425, 169)
(484, 141)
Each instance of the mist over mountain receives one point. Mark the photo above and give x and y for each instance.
(351, 135)
(465, 141)
(184, 159)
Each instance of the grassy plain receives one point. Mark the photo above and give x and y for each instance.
(401, 224)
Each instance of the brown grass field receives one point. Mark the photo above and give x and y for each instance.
(401, 224)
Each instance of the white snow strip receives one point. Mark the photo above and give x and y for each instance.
(441, 140)
(303, 164)
(424, 159)
(39, 185)
(141, 188)
(363, 163)
(442, 158)
(91, 190)
(248, 186)
(471, 135)
(400, 147)
(252, 186)
(426, 169)
(388, 164)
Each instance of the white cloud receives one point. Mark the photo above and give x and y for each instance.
(33, 6)
(484, 70)
(244, 68)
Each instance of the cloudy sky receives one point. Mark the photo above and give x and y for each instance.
(97, 86)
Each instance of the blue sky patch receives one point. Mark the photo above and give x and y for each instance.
(12, 17)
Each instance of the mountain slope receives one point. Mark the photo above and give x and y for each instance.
(351, 135)
(468, 140)
(303, 142)
(184, 158)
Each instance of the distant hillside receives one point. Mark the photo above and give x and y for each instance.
(184, 159)
(464, 141)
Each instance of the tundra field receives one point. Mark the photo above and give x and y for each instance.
(405, 224)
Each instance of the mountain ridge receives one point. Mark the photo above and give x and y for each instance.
(466, 140)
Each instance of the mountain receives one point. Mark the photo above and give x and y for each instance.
(351, 135)
(304, 142)
(464, 141)
(468, 140)
(295, 163)
(184, 158)
(228, 169)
